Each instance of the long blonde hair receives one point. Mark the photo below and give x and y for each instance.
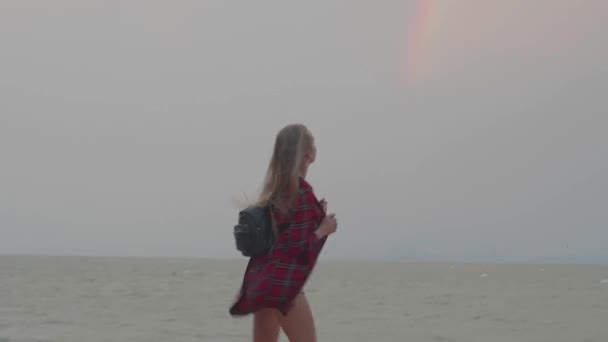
(282, 177)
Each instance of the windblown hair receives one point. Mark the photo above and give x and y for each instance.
(282, 177)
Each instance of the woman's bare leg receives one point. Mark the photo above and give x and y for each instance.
(299, 325)
(266, 325)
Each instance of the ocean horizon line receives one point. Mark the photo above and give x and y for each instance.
(374, 260)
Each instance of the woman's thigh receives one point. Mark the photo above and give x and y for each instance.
(298, 324)
(266, 325)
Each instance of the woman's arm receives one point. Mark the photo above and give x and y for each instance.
(304, 233)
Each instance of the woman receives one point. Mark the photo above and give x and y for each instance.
(272, 285)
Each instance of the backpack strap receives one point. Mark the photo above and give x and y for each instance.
(273, 222)
(279, 228)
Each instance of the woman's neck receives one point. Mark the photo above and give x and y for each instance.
(304, 171)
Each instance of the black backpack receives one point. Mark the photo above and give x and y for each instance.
(254, 234)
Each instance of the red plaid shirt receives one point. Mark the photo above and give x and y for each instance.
(274, 279)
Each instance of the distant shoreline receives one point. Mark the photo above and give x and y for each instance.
(331, 260)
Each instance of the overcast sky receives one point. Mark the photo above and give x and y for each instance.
(467, 130)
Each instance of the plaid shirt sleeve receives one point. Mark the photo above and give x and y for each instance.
(307, 215)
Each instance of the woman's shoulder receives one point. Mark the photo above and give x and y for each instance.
(306, 192)
(305, 186)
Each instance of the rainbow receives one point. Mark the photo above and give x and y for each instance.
(418, 25)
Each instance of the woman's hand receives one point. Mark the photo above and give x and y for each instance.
(328, 226)
(323, 203)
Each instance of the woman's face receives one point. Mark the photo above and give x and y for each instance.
(312, 154)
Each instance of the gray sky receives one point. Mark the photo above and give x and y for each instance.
(468, 130)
